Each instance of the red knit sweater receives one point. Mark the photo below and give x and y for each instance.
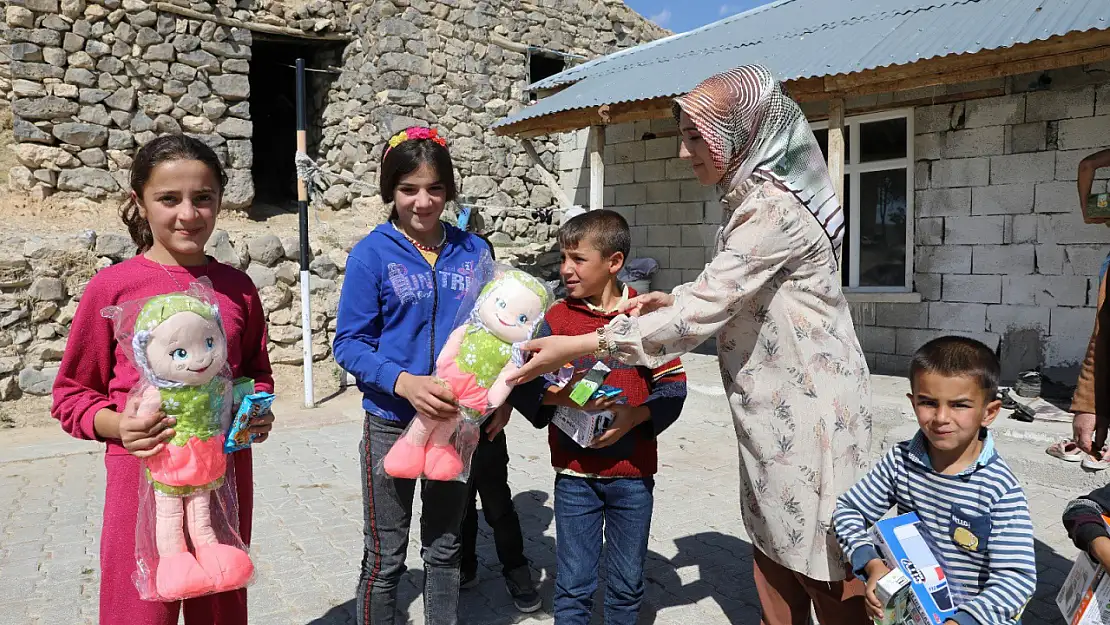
(662, 390)
(95, 372)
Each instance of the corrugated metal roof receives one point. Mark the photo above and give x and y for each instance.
(812, 38)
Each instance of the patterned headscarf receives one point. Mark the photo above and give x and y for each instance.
(752, 126)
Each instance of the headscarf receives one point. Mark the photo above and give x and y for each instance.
(752, 126)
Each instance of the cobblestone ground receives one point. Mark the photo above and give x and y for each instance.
(308, 525)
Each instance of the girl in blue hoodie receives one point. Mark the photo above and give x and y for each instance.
(401, 294)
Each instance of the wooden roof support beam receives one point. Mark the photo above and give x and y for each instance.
(943, 99)
(597, 167)
(251, 26)
(955, 63)
(547, 176)
(622, 112)
(507, 44)
(993, 70)
(837, 157)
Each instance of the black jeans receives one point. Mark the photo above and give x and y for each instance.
(489, 478)
(387, 506)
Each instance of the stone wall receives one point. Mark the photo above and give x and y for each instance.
(42, 279)
(93, 79)
(1001, 250)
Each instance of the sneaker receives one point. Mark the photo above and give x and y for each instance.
(519, 583)
(468, 580)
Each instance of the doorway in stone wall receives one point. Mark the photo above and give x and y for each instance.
(273, 110)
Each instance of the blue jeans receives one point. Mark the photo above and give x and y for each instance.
(1102, 269)
(584, 508)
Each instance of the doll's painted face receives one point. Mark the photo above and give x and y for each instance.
(510, 310)
(187, 348)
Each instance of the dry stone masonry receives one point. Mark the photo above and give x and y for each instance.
(42, 280)
(90, 80)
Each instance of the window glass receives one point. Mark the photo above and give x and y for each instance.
(880, 141)
(882, 228)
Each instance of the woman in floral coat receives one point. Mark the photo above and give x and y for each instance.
(793, 371)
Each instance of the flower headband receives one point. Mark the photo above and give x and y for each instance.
(412, 133)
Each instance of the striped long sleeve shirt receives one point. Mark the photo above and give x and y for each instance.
(979, 520)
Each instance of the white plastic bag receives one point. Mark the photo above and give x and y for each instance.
(187, 541)
(504, 308)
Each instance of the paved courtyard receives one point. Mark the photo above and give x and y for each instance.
(308, 520)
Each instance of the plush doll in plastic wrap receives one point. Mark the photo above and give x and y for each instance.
(475, 364)
(188, 496)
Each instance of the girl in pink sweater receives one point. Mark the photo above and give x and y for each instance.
(176, 185)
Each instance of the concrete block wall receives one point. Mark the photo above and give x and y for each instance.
(1001, 250)
(1002, 253)
(673, 218)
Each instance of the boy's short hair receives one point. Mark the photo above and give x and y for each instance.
(958, 356)
(604, 229)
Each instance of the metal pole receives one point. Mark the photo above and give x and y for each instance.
(302, 205)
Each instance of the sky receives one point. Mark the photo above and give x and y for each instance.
(683, 15)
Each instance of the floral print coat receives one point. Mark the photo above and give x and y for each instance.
(795, 377)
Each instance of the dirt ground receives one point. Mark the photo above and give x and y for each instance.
(66, 213)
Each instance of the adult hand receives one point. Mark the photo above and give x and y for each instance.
(260, 427)
(427, 396)
(498, 420)
(647, 303)
(144, 436)
(624, 419)
(1083, 431)
(876, 569)
(550, 353)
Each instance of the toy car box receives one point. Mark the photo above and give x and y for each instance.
(581, 425)
(905, 544)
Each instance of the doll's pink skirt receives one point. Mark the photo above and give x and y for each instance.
(464, 386)
(197, 463)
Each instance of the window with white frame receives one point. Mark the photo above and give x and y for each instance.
(878, 200)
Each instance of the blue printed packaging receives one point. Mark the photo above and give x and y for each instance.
(905, 544)
(238, 435)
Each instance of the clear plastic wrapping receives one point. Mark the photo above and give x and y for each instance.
(503, 308)
(187, 541)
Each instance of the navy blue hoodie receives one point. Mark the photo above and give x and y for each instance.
(396, 311)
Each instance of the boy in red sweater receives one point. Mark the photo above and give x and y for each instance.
(606, 487)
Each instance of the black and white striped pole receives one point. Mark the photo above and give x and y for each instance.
(302, 205)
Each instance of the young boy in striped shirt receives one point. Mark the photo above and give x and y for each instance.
(951, 475)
